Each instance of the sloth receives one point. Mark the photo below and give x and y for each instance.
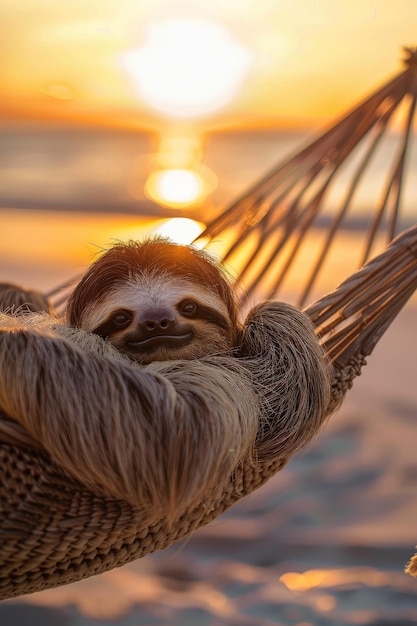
(150, 390)
(155, 300)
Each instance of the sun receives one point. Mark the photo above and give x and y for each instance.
(188, 66)
(180, 229)
(176, 188)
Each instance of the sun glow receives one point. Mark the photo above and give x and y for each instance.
(187, 67)
(176, 188)
(180, 229)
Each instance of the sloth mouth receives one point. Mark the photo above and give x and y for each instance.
(160, 341)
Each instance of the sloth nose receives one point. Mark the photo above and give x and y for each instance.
(156, 322)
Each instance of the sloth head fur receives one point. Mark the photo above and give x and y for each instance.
(155, 301)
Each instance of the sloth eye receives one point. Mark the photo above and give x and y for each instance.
(188, 308)
(121, 319)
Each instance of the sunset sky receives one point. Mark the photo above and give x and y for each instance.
(305, 59)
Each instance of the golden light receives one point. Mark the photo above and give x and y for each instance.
(176, 188)
(179, 150)
(58, 91)
(321, 578)
(180, 229)
(188, 66)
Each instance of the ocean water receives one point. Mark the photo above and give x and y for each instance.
(42, 167)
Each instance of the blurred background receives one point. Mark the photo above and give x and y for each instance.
(120, 118)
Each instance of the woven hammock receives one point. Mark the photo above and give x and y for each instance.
(54, 530)
(264, 234)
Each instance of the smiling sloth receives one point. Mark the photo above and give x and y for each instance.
(155, 301)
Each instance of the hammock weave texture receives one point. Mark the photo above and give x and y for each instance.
(54, 531)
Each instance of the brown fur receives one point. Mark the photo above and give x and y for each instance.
(14, 298)
(411, 567)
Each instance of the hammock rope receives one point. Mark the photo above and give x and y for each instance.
(266, 228)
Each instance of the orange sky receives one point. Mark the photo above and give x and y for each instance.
(310, 59)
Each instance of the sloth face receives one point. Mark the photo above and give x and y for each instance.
(155, 300)
(157, 317)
